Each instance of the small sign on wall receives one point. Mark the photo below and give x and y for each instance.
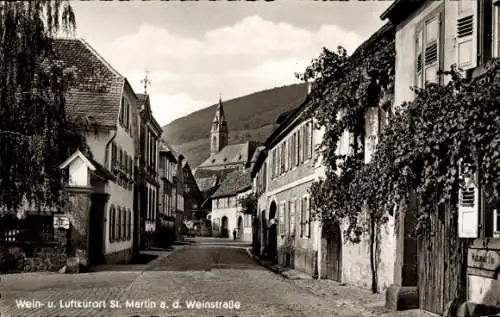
(484, 259)
(61, 221)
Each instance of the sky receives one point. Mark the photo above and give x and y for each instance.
(197, 50)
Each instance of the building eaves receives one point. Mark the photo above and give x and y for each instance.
(400, 10)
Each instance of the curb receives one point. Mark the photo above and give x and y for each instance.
(275, 270)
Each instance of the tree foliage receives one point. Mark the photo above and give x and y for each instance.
(249, 204)
(36, 134)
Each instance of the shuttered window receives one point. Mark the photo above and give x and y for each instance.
(467, 34)
(113, 154)
(468, 204)
(428, 57)
(307, 207)
(302, 218)
(310, 127)
(111, 223)
(292, 218)
(285, 147)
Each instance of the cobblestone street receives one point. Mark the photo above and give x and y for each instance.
(208, 270)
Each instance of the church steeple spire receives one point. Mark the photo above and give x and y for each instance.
(218, 133)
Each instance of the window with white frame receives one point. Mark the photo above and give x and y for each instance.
(428, 57)
(292, 218)
(282, 219)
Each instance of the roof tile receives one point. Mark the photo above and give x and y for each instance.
(96, 88)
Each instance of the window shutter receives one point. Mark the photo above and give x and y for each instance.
(124, 224)
(120, 154)
(311, 148)
(468, 206)
(308, 216)
(113, 154)
(301, 222)
(282, 220)
(292, 218)
(299, 145)
(467, 34)
(432, 47)
(419, 63)
(286, 155)
(129, 224)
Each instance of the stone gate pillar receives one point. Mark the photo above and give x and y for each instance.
(78, 211)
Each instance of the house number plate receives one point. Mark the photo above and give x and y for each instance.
(61, 221)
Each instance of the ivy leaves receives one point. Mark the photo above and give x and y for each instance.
(343, 87)
(419, 151)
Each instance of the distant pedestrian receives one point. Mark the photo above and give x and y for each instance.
(234, 234)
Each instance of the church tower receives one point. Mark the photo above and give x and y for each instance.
(218, 133)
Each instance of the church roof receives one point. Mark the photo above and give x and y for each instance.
(231, 154)
(236, 182)
(205, 184)
(219, 174)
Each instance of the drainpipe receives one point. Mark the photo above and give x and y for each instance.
(106, 157)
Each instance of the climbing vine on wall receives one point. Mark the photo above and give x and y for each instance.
(420, 148)
(343, 87)
(425, 140)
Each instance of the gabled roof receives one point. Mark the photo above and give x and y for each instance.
(92, 165)
(236, 182)
(287, 122)
(219, 174)
(231, 154)
(166, 149)
(95, 90)
(144, 106)
(261, 154)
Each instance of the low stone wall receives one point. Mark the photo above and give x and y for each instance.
(32, 257)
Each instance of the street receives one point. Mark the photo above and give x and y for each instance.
(208, 277)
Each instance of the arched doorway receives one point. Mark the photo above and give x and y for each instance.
(240, 227)
(223, 227)
(331, 249)
(273, 233)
